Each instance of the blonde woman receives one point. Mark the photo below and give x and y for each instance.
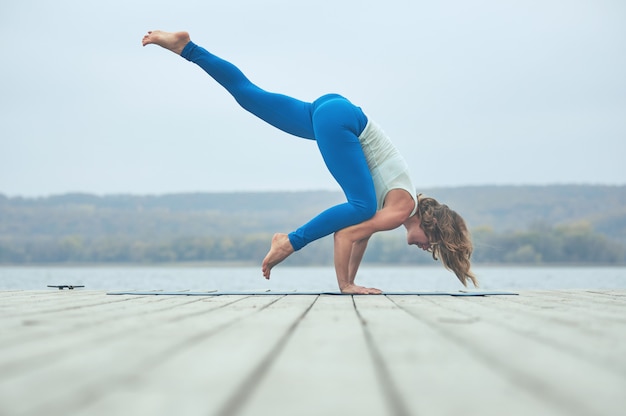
(374, 177)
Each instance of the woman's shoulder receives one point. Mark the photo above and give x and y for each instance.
(402, 200)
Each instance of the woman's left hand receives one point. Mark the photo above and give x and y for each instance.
(360, 290)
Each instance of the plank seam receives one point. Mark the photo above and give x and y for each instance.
(394, 399)
(242, 395)
(88, 397)
(530, 383)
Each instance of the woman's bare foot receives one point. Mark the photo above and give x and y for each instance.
(281, 249)
(172, 41)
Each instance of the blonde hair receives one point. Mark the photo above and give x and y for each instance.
(449, 237)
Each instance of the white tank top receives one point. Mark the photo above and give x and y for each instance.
(388, 168)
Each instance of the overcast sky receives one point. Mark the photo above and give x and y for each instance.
(471, 92)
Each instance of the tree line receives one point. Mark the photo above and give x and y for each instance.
(539, 245)
(510, 224)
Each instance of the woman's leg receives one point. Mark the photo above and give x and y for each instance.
(332, 121)
(285, 113)
(338, 124)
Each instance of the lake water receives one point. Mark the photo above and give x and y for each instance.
(306, 278)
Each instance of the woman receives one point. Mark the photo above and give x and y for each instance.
(372, 174)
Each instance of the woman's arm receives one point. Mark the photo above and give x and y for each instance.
(351, 242)
(350, 245)
(358, 250)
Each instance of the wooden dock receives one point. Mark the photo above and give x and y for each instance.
(82, 352)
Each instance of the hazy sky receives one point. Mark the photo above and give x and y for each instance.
(471, 92)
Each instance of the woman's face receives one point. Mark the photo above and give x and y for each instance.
(415, 236)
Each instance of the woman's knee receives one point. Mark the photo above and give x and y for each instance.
(365, 209)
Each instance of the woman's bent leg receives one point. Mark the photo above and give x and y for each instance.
(337, 124)
(285, 113)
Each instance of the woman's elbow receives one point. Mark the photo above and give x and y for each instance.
(344, 236)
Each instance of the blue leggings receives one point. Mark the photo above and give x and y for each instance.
(331, 120)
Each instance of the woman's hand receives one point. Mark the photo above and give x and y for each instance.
(360, 290)
(350, 242)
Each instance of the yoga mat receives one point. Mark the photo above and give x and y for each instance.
(280, 293)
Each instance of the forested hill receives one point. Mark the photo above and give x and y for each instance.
(501, 208)
(147, 219)
(505, 208)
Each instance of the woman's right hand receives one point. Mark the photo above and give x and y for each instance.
(360, 290)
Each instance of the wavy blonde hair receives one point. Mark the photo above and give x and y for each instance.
(449, 237)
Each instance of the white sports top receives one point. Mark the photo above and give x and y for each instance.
(388, 168)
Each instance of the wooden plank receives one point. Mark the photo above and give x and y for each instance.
(613, 293)
(325, 369)
(211, 375)
(10, 300)
(71, 329)
(555, 352)
(45, 303)
(555, 375)
(56, 315)
(436, 375)
(113, 354)
(569, 327)
(594, 304)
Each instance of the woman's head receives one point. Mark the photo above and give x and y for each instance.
(448, 236)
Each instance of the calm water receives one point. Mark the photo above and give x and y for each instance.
(307, 278)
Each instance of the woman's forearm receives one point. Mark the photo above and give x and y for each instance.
(343, 253)
(358, 250)
(348, 256)
(350, 245)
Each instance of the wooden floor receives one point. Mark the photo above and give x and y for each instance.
(87, 353)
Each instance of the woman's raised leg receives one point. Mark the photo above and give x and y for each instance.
(281, 111)
(332, 121)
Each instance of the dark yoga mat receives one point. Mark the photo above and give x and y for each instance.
(258, 293)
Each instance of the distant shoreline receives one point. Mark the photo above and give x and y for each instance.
(538, 225)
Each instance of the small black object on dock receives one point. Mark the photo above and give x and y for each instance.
(61, 287)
